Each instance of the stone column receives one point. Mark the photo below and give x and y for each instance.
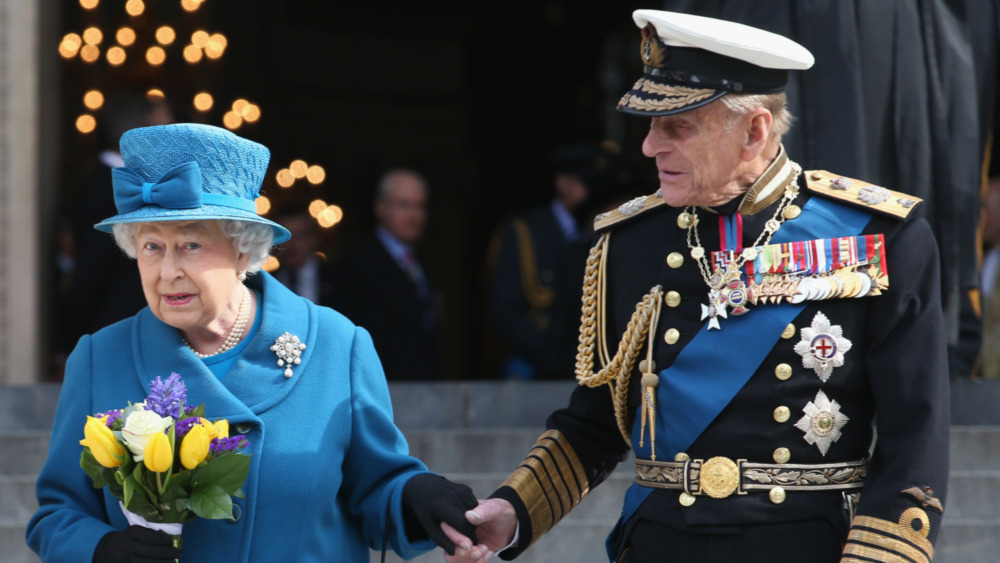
(20, 248)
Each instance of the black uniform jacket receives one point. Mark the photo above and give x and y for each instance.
(893, 383)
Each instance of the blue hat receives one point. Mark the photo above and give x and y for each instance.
(189, 172)
(690, 61)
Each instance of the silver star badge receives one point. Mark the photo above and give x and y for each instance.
(822, 347)
(289, 349)
(822, 422)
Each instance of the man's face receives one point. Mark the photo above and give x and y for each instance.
(697, 154)
(403, 209)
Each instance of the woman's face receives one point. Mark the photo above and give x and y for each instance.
(189, 273)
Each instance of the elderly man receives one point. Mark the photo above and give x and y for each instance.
(741, 334)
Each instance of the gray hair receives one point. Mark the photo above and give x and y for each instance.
(777, 104)
(385, 182)
(252, 238)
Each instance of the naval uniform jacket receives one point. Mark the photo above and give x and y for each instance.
(328, 465)
(893, 379)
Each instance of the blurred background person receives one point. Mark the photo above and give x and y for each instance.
(537, 261)
(382, 286)
(303, 267)
(105, 284)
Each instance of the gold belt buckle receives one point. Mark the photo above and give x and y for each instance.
(719, 477)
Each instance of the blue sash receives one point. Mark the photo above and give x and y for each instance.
(693, 391)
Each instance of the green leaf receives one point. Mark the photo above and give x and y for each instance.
(198, 411)
(212, 502)
(226, 472)
(93, 469)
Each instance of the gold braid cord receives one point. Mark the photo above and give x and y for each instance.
(616, 371)
(873, 539)
(550, 482)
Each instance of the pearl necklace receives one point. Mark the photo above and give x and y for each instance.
(235, 333)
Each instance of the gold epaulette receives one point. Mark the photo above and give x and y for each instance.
(551, 482)
(874, 539)
(861, 194)
(628, 210)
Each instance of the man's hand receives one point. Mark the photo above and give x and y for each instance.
(495, 523)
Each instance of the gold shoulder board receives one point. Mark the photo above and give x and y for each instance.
(627, 210)
(861, 194)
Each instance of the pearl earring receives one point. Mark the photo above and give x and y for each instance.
(242, 275)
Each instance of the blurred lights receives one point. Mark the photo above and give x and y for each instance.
(285, 178)
(316, 207)
(192, 54)
(298, 168)
(315, 174)
(89, 53)
(125, 36)
(330, 216)
(88, 4)
(86, 123)
(155, 95)
(200, 38)
(165, 35)
(116, 56)
(232, 120)
(135, 7)
(203, 101)
(70, 45)
(93, 99)
(271, 264)
(190, 5)
(263, 205)
(92, 36)
(155, 55)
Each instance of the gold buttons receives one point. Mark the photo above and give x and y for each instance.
(777, 495)
(684, 220)
(782, 455)
(782, 414)
(672, 299)
(791, 212)
(675, 260)
(686, 499)
(643, 365)
(816, 175)
(783, 371)
(698, 252)
(788, 332)
(681, 456)
(671, 336)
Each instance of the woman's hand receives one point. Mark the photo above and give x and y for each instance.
(136, 544)
(496, 524)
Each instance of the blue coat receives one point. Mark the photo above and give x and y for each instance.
(328, 463)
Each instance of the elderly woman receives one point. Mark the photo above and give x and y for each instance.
(330, 475)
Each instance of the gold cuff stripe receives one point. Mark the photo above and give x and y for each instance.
(891, 541)
(550, 482)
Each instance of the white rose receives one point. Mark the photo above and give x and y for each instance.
(139, 426)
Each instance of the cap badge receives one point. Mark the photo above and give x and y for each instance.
(652, 50)
(822, 346)
(822, 422)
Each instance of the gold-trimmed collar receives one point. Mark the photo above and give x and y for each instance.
(771, 184)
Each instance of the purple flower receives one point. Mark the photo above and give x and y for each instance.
(166, 397)
(231, 444)
(184, 426)
(113, 415)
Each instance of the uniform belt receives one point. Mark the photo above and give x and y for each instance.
(720, 477)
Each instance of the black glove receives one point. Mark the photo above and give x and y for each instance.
(431, 499)
(136, 544)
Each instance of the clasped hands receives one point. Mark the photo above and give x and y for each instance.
(495, 525)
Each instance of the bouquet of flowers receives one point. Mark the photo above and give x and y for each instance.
(134, 453)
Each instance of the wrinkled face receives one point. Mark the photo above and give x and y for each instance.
(403, 209)
(696, 154)
(189, 272)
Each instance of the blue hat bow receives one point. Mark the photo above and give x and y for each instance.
(178, 188)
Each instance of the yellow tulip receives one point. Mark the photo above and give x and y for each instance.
(194, 448)
(210, 428)
(102, 443)
(158, 456)
(222, 428)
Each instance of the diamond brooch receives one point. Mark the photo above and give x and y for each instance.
(289, 349)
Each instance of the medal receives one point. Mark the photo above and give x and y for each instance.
(822, 347)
